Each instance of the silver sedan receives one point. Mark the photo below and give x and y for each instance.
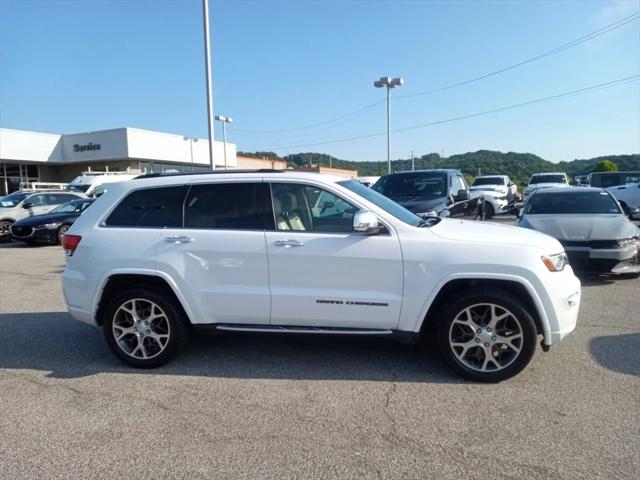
(590, 224)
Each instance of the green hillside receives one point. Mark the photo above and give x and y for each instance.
(519, 166)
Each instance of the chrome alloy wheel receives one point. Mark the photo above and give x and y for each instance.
(486, 337)
(141, 328)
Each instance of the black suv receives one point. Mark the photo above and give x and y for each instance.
(429, 193)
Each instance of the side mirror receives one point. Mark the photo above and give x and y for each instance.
(27, 205)
(462, 195)
(365, 221)
(326, 206)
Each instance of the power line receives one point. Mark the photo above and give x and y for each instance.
(579, 91)
(585, 38)
(578, 41)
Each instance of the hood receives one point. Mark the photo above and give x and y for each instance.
(496, 234)
(489, 188)
(582, 227)
(419, 204)
(46, 218)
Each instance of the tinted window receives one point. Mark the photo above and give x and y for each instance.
(413, 184)
(59, 198)
(151, 207)
(488, 181)
(566, 203)
(547, 179)
(36, 200)
(237, 206)
(312, 209)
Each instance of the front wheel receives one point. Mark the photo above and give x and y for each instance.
(5, 230)
(490, 211)
(486, 335)
(62, 231)
(143, 328)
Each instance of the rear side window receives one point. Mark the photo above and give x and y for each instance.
(151, 207)
(232, 206)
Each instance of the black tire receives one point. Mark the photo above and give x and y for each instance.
(177, 328)
(62, 230)
(514, 362)
(490, 211)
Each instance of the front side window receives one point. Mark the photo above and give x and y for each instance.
(150, 207)
(36, 200)
(235, 206)
(457, 184)
(301, 208)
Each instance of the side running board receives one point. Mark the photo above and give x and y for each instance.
(299, 329)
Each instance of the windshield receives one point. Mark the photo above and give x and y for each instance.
(13, 199)
(488, 181)
(571, 202)
(559, 178)
(74, 206)
(413, 184)
(383, 202)
(78, 188)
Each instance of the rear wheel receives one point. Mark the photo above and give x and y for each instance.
(143, 328)
(486, 336)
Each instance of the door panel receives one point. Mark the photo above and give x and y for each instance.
(322, 273)
(223, 274)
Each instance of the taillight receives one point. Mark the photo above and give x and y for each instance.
(70, 243)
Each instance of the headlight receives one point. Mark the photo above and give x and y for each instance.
(428, 214)
(555, 263)
(48, 225)
(625, 242)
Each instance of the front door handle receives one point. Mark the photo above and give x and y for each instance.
(288, 243)
(178, 239)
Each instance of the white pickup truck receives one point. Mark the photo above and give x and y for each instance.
(292, 252)
(628, 196)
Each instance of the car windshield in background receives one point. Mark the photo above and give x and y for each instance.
(547, 179)
(488, 181)
(78, 188)
(74, 206)
(13, 199)
(571, 202)
(414, 184)
(383, 202)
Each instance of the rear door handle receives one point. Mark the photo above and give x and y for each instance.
(288, 243)
(178, 239)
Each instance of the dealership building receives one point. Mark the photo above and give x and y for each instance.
(27, 157)
(45, 157)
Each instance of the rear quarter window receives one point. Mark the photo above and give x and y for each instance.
(150, 207)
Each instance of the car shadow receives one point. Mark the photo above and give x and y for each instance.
(56, 343)
(620, 353)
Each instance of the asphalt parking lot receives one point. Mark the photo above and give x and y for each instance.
(267, 406)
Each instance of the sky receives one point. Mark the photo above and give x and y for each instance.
(280, 67)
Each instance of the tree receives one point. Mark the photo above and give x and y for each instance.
(605, 166)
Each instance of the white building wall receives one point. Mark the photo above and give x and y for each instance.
(21, 145)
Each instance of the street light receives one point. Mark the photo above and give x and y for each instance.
(389, 83)
(207, 69)
(224, 121)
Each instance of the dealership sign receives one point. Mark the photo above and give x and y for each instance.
(84, 148)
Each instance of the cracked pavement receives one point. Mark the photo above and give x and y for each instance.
(246, 406)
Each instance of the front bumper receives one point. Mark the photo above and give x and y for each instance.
(605, 260)
(35, 234)
(564, 290)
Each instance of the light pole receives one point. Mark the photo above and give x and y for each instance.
(224, 121)
(207, 67)
(389, 83)
(413, 162)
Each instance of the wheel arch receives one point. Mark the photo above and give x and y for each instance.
(117, 282)
(518, 288)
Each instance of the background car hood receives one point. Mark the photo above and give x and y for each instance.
(46, 218)
(536, 186)
(493, 233)
(582, 227)
(419, 204)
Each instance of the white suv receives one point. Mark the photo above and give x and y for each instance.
(545, 180)
(285, 252)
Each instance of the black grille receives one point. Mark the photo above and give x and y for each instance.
(590, 243)
(21, 231)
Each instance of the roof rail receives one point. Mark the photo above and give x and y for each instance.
(207, 172)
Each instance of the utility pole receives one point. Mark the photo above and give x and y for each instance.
(207, 67)
(413, 162)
